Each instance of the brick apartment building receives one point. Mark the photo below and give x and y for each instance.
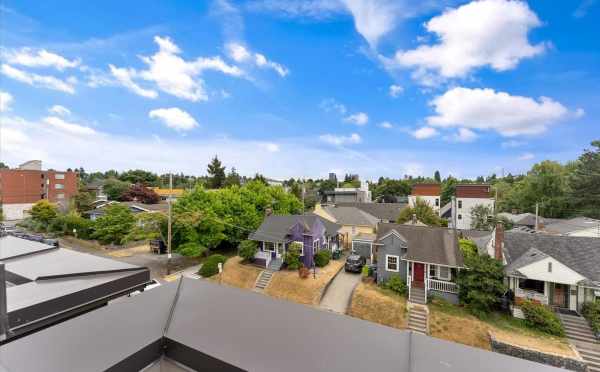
(22, 187)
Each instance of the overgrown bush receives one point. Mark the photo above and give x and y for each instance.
(191, 249)
(210, 267)
(542, 318)
(72, 224)
(114, 225)
(591, 311)
(322, 258)
(292, 257)
(248, 249)
(396, 284)
(481, 286)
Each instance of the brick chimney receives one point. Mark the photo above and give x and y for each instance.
(498, 241)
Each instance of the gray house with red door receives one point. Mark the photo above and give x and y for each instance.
(426, 258)
(276, 233)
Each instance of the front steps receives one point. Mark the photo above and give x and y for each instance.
(581, 337)
(417, 295)
(263, 280)
(418, 318)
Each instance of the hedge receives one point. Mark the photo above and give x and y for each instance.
(210, 267)
(322, 258)
(591, 311)
(396, 284)
(542, 318)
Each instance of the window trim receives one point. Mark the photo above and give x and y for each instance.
(387, 263)
(316, 245)
(439, 276)
(301, 247)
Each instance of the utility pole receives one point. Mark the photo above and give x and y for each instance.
(169, 224)
(537, 210)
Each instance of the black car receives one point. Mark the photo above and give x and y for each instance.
(355, 263)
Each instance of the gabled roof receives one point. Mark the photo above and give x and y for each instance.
(434, 245)
(569, 226)
(277, 228)
(197, 323)
(580, 254)
(351, 216)
(382, 211)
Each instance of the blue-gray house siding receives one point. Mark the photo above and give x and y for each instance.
(390, 245)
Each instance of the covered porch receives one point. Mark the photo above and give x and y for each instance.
(428, 279)
(270, 252)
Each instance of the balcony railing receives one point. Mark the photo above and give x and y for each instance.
(442, 286)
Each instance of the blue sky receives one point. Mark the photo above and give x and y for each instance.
(300, 88)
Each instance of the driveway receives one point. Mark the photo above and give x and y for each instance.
(337, 297)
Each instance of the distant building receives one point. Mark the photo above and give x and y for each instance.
(164, 193)
(428, 192)
(333, 177)
(468, 196)
(22, 187)
(348, 195)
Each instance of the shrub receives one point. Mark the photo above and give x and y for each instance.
(114, 225)
(65, 224)
(210, 267)
(303, 272)
(591, 311)
(542, 318)
(191, 249)
(292, 257)
(481, 285)
(365, 271)
(43, 212)
(322, 258)
(248, 249)
(396, 284)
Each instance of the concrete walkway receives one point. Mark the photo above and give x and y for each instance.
(337, 297)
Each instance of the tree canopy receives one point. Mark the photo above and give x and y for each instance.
(140, 193)
(423, 212)
(216, 172)
(585, 182)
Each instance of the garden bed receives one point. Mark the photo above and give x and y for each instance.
(288, 285)
(377, 305)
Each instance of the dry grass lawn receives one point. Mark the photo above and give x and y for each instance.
(289, 286)
(128, 252)
(456, 324)
(374, 304)
(237, 274)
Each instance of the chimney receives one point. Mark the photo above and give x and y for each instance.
(4, 330)
(498, 241)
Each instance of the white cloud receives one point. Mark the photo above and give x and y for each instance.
(481, 33)
(174, 118)
(512, 144)
(336, 140)
(579, 113)
(374, 18)
(526, 156)
(59, 110)
(241, 54)
(271, 147)
(172, 74)
(40, 58)
(464, 135)
(386, 125)
(70, 128)
(395, 90)
(124, 76)
(486, 109)
(6, 100)
(330, 104)
(360, 118)
(44, 81)
(424, 133)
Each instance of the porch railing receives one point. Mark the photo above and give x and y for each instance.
(532, 295)
(264, 256)
(442, 286)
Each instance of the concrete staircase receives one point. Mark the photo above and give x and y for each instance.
(417, 295)
(263, 280)
(418, 318)
(581, 337)
(275, 264)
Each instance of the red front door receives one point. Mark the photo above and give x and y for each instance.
(418, 274)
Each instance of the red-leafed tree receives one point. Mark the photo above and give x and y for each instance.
(140, 194)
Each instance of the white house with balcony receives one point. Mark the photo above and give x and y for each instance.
(427, 258)
(562, 272)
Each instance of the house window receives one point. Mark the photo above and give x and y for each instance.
(443, 273)
(269, 246)
(532, 285)
(460, 203)
(60, 196)
(432, 271)
(460, 216)
(59, 176)
(353, 229)
(437, 202)
(392, 263)
(301, 244)
(315, 246)
(59, 186)
(549, 267)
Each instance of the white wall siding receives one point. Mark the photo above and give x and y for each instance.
(412, 200)
(464, 223)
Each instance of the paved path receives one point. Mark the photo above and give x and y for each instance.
(337, 297)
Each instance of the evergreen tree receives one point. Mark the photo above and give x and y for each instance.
(437, 176)
(233, 178)
(216, 172)
(584, 183)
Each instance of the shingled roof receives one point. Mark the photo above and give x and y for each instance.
(351, 216)
(276, 228)
(580, 254)
(436, 245)
(382, 211)
(195, 324)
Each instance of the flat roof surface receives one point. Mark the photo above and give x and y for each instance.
(62, 262)
(243, 329)
(11, 246)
